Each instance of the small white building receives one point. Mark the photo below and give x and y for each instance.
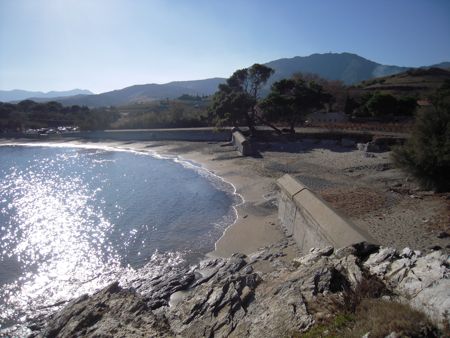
(330, 117)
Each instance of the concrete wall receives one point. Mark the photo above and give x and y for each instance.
(188, 134)
(241, 143)
(311, 221)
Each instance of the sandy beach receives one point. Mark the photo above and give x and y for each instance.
(364, 187)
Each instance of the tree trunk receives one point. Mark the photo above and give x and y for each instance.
(250, 124)
(265, 122)
(292, 125)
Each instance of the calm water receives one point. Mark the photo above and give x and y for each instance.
(74, 219)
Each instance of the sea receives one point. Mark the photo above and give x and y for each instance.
(75, 218)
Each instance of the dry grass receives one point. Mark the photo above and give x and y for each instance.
(362, 310)
(354, 202)
(380, 318)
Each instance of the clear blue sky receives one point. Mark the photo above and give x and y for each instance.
(110, 44)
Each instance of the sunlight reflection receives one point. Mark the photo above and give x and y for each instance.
(55, 231)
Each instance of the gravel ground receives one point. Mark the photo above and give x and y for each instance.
(366, 188)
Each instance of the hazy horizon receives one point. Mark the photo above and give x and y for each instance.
(106, 45)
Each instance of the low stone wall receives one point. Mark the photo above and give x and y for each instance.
(241, 143)
(311, 221)
(179, 134)
(159, 135)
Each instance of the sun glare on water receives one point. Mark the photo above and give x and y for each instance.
(56, 233)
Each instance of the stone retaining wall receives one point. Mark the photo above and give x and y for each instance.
(311, 221)
(180, 134)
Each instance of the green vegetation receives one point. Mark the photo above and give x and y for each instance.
(376, 316)
(382, 104)
(235, 101)
(335, 327)
(379, 105)
(29, 114)
(164, 114)
(381, 318)
(420, 82)
(426, 154)
(377, 102)
(187, 97)
(291, 100)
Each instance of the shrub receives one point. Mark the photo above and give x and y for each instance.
(381, 105)
(426, 154)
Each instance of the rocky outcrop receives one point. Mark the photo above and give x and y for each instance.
(266, 294)
(421, 280)
(108, 313)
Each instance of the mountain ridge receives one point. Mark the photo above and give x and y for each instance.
(20, 94)
(346, 67)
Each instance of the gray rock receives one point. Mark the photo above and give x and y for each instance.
(231, 298)
(361, 146)
(112, 312)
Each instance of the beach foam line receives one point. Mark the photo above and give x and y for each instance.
(219, 182)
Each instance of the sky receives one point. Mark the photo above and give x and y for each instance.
(103, 45)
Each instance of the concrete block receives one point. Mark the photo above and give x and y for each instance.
(241, 143)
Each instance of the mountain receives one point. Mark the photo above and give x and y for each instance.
(19, 95)
(146, 93)
(445, 65)
(346, 67)
(349, 68)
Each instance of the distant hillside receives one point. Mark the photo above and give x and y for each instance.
(19, 95)
(414, 82)
(346, 67)
(147, 92)
(445, 65)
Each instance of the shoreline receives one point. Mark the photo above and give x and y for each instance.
(364, 187)
(256, 226)
(253, 227)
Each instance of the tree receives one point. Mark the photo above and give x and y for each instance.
(337, 90)
(291, 100)
(441, 99)
(235, 101)
(426, 154)
(406, 106)
(380, 105)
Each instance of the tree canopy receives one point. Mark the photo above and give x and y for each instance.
(382, 104)
(291, 100)
(235, 101)
(30, 114)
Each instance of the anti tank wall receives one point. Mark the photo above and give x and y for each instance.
(241, 144)
(311, 221)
